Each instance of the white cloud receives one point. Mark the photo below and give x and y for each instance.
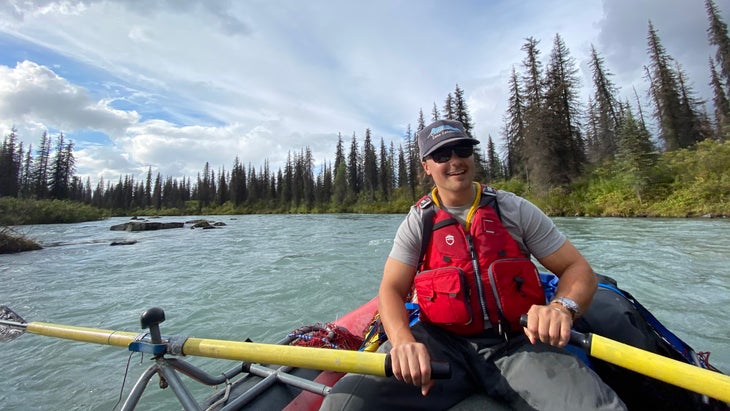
(30, 93)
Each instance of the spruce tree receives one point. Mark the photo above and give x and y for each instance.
(222, 194)
(339, 186)
(636, 156)
(325, 186)
(339, 152)
(308, 176)
(148, 188)
(402, 182)
(414, 157)
(462, 111)
(286, 190)
(592, 135)
(604, 112)
(254, 186)
(299, 182)
(421, 121)
(696, 124)
(535, 157)
(157, 192)
(493, 167)
(237, 184)
(26, 178)
(62, 169)
(369, 167)
(722, 105)
(435, 114)
(385, 172)
(449, 110)
(10, 165)
(462, 115)
(41, 169)
(563, 156)
(203, 186)
(675, 115)
(354, 171)
(718, 33)
(514, 131)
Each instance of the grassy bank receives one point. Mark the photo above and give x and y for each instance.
(15, 211)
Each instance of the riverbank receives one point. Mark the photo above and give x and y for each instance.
(16, 212)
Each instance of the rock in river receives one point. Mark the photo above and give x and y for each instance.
(145, 226)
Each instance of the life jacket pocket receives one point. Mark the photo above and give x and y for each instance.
(443, 296)
(515, 286)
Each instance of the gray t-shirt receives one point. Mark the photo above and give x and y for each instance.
(535, 232)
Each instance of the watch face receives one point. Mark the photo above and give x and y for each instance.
(568, 303)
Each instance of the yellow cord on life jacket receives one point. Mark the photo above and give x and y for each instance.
(472, 209)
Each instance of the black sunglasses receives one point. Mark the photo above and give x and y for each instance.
(443, 154)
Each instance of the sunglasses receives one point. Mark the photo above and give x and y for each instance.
(443, 154)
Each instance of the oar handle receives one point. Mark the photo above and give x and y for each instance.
(440, 370)
(576, 338)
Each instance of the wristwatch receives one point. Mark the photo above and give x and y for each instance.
(568, 303)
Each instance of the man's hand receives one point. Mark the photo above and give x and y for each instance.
(412, 364)
(550, 324)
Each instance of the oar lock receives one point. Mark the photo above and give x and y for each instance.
(155, 345)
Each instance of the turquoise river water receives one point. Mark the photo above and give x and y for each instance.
(261, 276)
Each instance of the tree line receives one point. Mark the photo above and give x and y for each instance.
(553, 141)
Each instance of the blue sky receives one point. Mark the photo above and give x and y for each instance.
(172, 84)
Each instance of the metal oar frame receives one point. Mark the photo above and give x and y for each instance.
(168, 367)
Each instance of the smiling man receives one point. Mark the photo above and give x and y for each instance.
(464, 253)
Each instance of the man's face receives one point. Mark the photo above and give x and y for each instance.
(451, 167)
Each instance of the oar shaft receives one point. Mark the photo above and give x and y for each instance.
(13, 324)
(700, 380)
(83, 334)
(305, 357)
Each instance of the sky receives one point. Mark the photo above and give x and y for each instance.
(173, 84)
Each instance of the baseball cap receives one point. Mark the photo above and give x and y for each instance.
(440, 133)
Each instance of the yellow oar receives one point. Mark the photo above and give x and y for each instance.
(371, 363)
(700, 380)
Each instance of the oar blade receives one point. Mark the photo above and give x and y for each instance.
(11, 324)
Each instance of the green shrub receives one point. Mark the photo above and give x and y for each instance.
(14, 211)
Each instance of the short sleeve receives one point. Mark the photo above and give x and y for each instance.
(534, 231)
(407, 242)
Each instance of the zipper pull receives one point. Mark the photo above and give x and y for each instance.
(472, 250)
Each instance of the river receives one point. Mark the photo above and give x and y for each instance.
(260, 276)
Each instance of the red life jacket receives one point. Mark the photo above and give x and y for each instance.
(475, 278)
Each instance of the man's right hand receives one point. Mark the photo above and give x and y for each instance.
(412, 364)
